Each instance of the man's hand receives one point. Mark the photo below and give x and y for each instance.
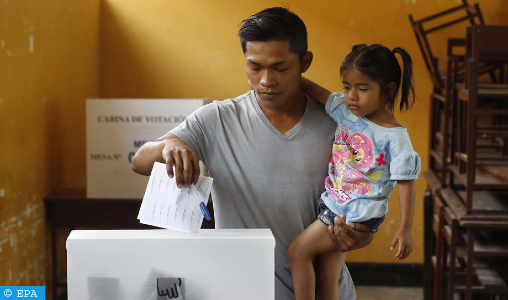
(349, 237)
(185, 160)
(403, 238)
(170, 150)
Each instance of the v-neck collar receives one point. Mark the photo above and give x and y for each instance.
(290, 132)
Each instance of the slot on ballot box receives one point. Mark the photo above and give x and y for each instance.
(214, 264)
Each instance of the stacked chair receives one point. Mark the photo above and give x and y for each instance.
(466, 206)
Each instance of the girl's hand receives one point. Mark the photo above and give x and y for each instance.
(403, 238)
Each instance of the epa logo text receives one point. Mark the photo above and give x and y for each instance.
(26, 294)
(25, 291)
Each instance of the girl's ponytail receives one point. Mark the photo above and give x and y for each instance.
(408, 92)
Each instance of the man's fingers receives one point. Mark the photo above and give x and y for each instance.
(169, 165)
(342, 218)
(178, 170)
(186, 164)
(335, 226)
(344, 234)
(332, 235)
(187, 167)
(347, 242)
(340, 224)
(195, 168)
(190, 167)
(339, 240)
(184, 160)
(360, 227)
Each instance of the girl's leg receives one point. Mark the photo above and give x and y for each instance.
(329, 266)
(314, 240)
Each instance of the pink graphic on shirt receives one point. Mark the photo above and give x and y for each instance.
(350, 152)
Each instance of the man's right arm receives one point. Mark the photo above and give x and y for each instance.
(172, 151)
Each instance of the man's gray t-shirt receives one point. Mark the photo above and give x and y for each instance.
(263, 178)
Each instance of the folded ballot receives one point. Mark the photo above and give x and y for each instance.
(167, 206)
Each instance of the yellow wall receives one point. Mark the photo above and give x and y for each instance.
(179, 49)
(48, 66)
(161, 49)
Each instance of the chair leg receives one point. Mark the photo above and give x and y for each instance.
(451, 264)
(439, 257)
(469, 265)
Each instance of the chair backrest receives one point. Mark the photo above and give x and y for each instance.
(470, 13)
(490, 43)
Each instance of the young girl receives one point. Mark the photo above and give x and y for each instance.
(370, 154)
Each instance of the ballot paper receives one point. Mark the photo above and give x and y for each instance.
(167, 206)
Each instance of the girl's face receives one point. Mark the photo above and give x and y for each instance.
(363, 95)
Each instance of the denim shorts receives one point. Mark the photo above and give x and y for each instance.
(327, 216)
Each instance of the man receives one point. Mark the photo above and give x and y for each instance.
(267, 150)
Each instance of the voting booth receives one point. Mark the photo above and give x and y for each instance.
(227, 264)
(115, 130)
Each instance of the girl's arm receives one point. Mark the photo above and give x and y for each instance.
(407, 207)
(315, 90)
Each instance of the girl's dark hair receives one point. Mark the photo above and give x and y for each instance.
(275, 23)
(380, 64)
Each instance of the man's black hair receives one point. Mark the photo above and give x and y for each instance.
(276, 23)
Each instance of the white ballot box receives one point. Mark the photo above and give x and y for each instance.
(215, 264)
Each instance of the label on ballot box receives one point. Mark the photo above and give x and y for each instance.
(170, 288)
(227, 264)
(115, 130)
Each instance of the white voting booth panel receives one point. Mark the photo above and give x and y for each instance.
(226, 264)
(115, 130)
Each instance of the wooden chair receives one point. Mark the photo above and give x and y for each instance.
(475, 101)
(442, 96)
(466, 12)
(442, 125)
(429, 242)
(474, 253)
(437, 259)
(450, 233)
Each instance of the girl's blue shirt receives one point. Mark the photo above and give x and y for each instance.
(367, 160)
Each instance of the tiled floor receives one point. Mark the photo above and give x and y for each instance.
(388, 293)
